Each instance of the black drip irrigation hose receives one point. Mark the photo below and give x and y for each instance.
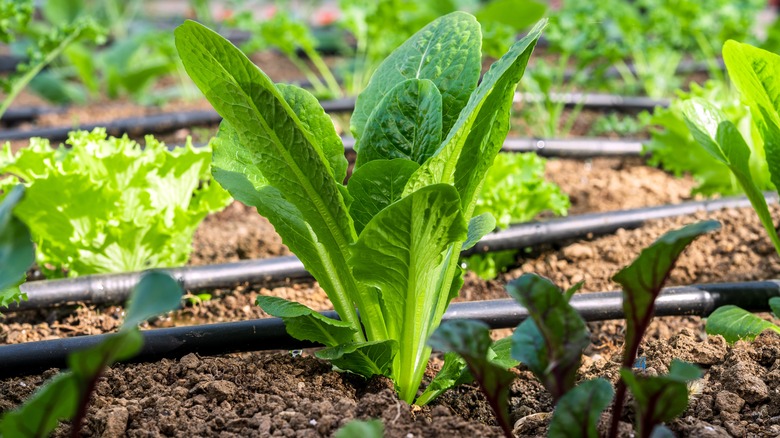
(170, 121)
(131, 125)
(574, 148)
(28, 113)
(613, 102)
(116, 288)
(269, 334)
(151, 124)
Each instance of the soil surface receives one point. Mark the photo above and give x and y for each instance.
(279, 394)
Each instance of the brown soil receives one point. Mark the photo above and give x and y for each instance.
(267, 394)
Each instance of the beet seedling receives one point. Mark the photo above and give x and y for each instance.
(67, 395)
(551, 341)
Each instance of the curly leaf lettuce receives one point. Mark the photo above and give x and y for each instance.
(104, 204)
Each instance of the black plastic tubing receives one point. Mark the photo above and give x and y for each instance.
(116, 288)
(269, 334)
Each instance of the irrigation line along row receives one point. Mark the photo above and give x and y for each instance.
(269, 334)
(151, 124)
(116, 288)
(171, 121)
(569, 148)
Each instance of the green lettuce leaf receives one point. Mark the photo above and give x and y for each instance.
(107, 205)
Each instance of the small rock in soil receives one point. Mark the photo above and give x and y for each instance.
(728, 401)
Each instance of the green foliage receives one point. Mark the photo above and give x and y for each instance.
(107, 205)
(361, 429)
(578, 412)
(660, 398)
(43, 47)
(515, 191)
(734, 323)
(551, 341)
(673, 147)
(67, 395)
(755, 74)
(643, 279)
(621, 125)
(774, 304)
(471, 340)
(17, 253)
(387, 245)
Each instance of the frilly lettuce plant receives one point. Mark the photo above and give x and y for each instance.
(385, 248)
(107, 205)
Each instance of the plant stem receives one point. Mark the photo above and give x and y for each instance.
(318, 62)
(22, 82)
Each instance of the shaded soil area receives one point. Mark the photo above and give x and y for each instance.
(278, 394)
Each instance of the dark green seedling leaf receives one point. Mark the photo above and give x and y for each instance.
(756, 74)
(774, 304)
(155, 294)
(734, 323)
(446, 52)
(479, 227)
(661, 398)
(361, 429)
(454, 372)
(471, 340)
(721, 139)
(399, 253)
(578, 411)
(67, 395)
(406, 124)
(16, 249)
(501, 353)
(41, 412)
(91, 362)
(551, 341)
(367, 358)
(643, 279)
(376, 185)
(306, 324)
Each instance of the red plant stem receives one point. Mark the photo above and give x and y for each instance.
(81, 412)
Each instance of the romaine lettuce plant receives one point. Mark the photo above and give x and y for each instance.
(67, 395)
(107, 205)
(385, 248)
(673, 147)
(755, 74)
(551, 341)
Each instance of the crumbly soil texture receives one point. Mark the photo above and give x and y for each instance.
(295, 394)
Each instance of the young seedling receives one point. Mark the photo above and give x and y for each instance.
(551, 341)
(734, 323)
(105, 204)
(642, 281)
(67, 395)
(471, 341)
(386, 246)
